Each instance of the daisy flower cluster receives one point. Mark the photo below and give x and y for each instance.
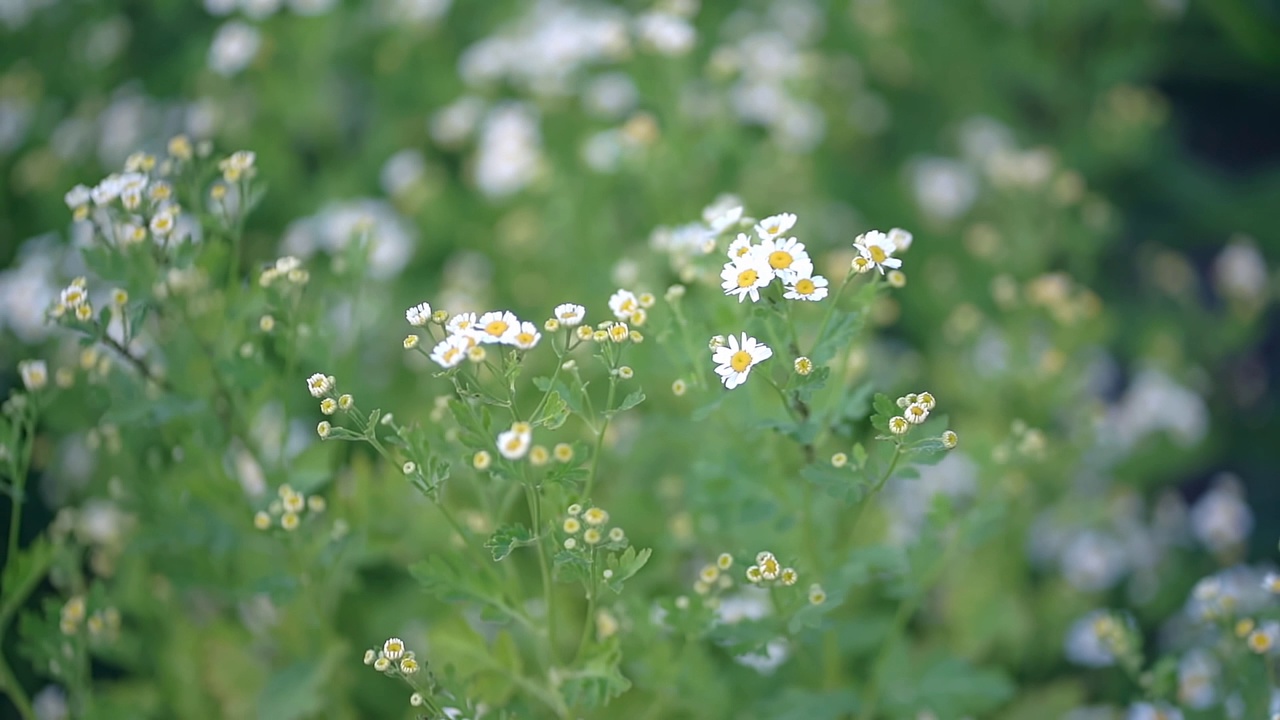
(324, 387)
(585, 531)
(466, 334)
(73, 301)
(288, 268)
(752, 266)
(102, 623)
(915, 410)
(768, 571)
(287, 509)
(876, 249)
(714, 578)
(393, 659)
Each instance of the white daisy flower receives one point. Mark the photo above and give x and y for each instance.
(35, 374)
(745, 276)
(162, 222)
(498, 326)
(774, 225)
(623, 303)
(740, 247)
(787, 258)
(77, 197)
(878, 248)
(807, 288)
(419, 314)
(901, 239)
(452, 350)
(722, 220)
(569, 314)
(526, 336)
(461, 324)
(514, 443)
(736, 360)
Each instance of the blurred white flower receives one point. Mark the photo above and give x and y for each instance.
(944, 188)
(402, 171)
(260, 9)
(1220, 519)
(453, 124)
(234, 46)
(391, 238)
(417, 11)
(1197, 677)
(1240, 271)
(610, 96)
(665, 33)
(1092, 562)
(509, 154)
(1085, 645)
(1155, 403)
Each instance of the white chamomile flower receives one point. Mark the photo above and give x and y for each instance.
(393, 648)
(745, 276)
(497, 326)
(451, 351)
(878, 248)
(787, 258)
(570, 315)
(774, 225)
(736, 360)
(35, 374)
(418, 315)
(162, 222)
(916, 413)
(720, 218)
(526, 336)
(320, 385)
(461, 324)
(901, 239)
(740, 247)
(623, 303)
(813, 288)
(514, 443)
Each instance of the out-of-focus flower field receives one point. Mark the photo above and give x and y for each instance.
(892, 359)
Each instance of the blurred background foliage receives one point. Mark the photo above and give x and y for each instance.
(1093, 188)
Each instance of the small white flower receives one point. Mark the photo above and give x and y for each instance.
(320, 385)
(878, 248)
(623, 303)
(526, 337)
(77, 197)
(787, 258)
(461, 324)
(419, 314)
(452, 350)
(736, 360)
(812, 289)
(774, 225)
(162, 222)
(35, 374)
(745, 276)
(393, 648)
(901, 239)
(740, 247)
(514, 443)
(570, 315)
(719, 219)
(915, 413)
(497, 327)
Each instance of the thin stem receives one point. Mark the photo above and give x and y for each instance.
(134, 361)
(589, 621)
(604, 427)
(548, 597)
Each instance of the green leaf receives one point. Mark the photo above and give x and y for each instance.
(806, 385)
(296, 691)
(836, 482)
(597, 680)
(958, 688)
(631, 400)
(554, 412)
(625, 566)
(508, 538)
(22, 573)
(837, 336)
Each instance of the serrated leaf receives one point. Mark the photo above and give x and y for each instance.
(508, 538)
(597, 680)
(295, 691)
(625, 566)
(554, 412)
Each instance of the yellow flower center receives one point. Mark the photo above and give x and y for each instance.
(450, 354)
(740, 361)
(567, 315)
(780, 260)
(877, 254)
(513, 444)
(496, 328)
(524, 339)
(773, 229)
(805, 286)
(747, 278)
(744, 250)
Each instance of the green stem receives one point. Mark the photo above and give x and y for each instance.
(589, 622)
(548, 597)
(604, 427)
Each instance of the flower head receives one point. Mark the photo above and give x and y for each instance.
(623, 303)
(740, 247)
(393, 648)
(811, 288)
(320, 385)
(514, 443)
(898, 425)
(950, 439)
(915, 413)
(497, 327)
(878, 248)
(774, 225)
(595, 516)
(744, 276)
(787, 258)
(803, 365)
(901, 239)
(570, 315)
(736, 360)
(452, 350)
(526, 336)
(418, 315)
(35, 374)
(461, 324)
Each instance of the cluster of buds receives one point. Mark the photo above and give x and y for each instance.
(714, 578)
(238, 166)
(73, 300)
(393, 659)
(629, 307)
(915, 410)
(1261, 639)
(588, 526)
(288, 507)
(610, 331)
(288, 267)
(324, 387)
(104, 623)
(768, 571)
